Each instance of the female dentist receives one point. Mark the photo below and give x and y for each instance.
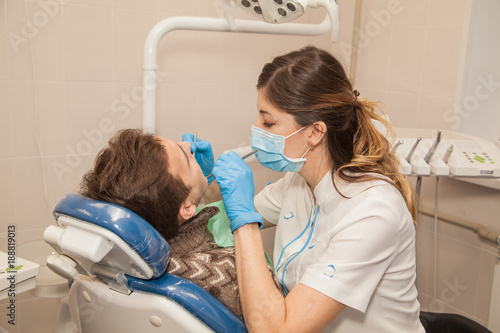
(345, 237)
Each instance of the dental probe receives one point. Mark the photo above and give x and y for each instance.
(249, 154)
(413, 149)
(433, 148)
(447, 155)
(396, 145)
(243, 157)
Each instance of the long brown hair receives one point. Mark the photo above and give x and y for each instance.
(311, 85)
(132, 172)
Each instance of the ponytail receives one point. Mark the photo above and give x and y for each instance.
(372, 153)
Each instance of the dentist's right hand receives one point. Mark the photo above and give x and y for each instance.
(236, 184)
(204, 154)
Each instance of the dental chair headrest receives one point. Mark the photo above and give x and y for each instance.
(135, 232)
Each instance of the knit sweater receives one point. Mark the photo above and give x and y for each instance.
(196, 257)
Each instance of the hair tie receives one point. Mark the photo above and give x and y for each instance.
(356, 94)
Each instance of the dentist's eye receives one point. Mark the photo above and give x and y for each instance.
(267, 125)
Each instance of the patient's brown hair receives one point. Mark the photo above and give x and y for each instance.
(132, 172)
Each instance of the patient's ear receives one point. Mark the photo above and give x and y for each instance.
(186, 211)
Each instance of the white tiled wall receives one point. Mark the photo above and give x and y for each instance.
(65, 90)
(464, 260)
(409, 58)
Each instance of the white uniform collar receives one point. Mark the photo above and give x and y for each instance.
(325, 190)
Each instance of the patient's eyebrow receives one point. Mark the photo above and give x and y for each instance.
(185, 155)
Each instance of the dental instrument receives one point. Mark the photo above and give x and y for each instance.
(427, 158)
(249, 154)
(243, 157)
(447, 155)
(396, 145)
(410, 154)
(404, 167)
(431, 151)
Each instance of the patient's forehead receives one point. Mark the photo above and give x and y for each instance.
(171, 150)
(164, 141)
(177, 160)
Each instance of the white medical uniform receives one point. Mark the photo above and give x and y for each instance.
(358, 250)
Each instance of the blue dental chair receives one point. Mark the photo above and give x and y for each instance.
(115, 263)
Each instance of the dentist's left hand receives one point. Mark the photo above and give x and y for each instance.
(204, 154)
(237, 188)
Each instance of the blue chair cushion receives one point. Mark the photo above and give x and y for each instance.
(133, 229)
(194, 299)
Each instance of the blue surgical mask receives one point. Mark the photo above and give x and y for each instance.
(271, 151)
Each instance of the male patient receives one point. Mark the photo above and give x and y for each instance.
(161, 181)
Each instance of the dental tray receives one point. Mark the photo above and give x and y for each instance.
(24, 272)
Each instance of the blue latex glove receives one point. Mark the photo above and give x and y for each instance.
(204, 154)
(235, 180)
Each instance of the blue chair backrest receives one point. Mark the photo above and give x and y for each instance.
(154, 250)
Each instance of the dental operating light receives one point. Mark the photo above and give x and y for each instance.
(274, 11)
(281, 11)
